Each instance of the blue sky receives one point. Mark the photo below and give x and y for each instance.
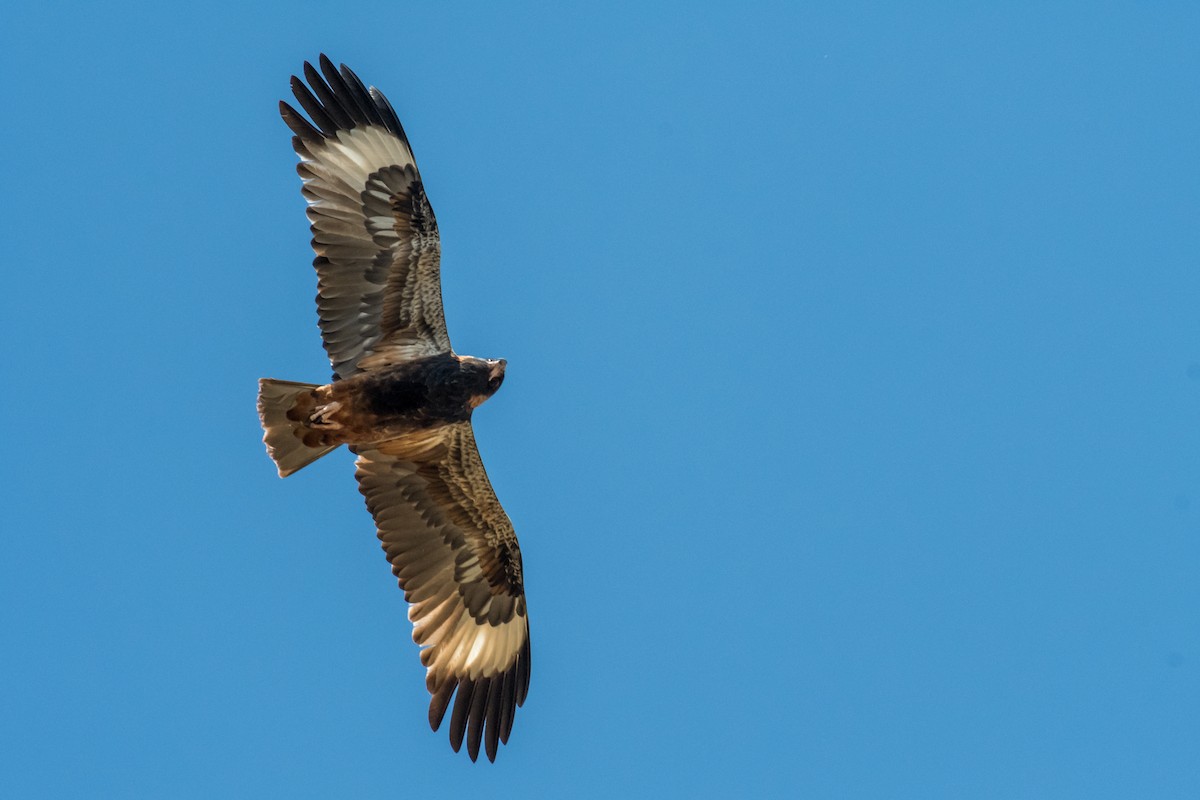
(850, 425)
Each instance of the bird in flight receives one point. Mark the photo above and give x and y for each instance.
(401, 399)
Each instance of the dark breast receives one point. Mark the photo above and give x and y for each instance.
(424, 392)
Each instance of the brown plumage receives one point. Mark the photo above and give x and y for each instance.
(402, 400)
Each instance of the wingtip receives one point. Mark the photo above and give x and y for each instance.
(439, 702)
(326, 66)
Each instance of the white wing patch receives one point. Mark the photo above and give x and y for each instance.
(456, 645)
(357, 153)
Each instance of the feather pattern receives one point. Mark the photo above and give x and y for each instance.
(455, 554)
(378, 252)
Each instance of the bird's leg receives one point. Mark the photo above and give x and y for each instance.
(321, 417)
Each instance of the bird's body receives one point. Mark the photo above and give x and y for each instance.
(392, 402)
(402, 400)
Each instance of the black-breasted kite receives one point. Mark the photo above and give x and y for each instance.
(401, 399)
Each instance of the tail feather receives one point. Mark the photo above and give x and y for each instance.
(282, 435)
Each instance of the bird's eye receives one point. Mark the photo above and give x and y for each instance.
(494, 384)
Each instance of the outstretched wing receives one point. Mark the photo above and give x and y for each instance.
(456, 555)
(379, 295)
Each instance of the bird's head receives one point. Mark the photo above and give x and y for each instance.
(486, 376)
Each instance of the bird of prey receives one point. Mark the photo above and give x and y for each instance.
(402, 399)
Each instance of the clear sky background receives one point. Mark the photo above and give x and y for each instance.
(851, 424)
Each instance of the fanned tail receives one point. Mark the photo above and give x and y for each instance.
(284, 437)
